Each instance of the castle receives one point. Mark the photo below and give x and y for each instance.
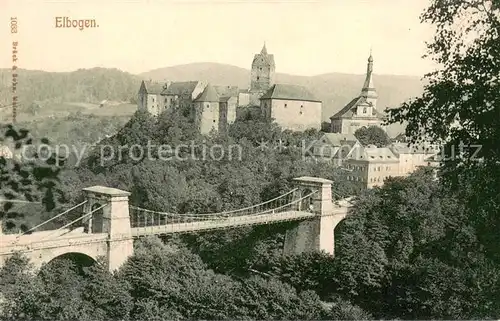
(214, 107)
(292, 107)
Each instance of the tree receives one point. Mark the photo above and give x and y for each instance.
(459, 109)
(34, 178)
(372, 135)
(171, 282)
(460, 104)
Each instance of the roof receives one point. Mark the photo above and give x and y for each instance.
(106, 190)
(153, 87)
(227, 91)
(208, 95)
(5, 152)
(289, 92)
(180, 88)
(264, 57)
(338, 139)
(374, 154)
(349, 110)
(309, 179)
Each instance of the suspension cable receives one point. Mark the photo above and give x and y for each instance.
(53, 218)
(213, 214)
(74, 221)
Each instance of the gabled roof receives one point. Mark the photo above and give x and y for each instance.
(208, 95)
(405, 148)
(263, 57)
(350, 109)
(338, 139)
(180, 88)
(153, 87)
(5, 152)
(227, 91)
(289, 92)
(373, 154)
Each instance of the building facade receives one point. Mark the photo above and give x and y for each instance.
(412, 157)
(369, 166)
(149, 97)
(361, 111)
(291, 107)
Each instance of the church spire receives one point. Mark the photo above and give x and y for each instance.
(264, 50)
(369, 87)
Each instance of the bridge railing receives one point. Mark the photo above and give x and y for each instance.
(143, 217)
(286, 212)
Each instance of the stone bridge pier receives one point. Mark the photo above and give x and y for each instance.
(316, 234)
(107, 234)
(113, 220)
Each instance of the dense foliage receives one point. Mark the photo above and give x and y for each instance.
(84, 85)
(35, 178)
(160, 282)
(372, 135)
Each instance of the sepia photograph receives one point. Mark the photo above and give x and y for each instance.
(249, 160)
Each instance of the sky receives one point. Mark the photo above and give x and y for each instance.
(306, 37)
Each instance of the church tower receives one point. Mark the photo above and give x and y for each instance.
(369, 92)
(262, 75)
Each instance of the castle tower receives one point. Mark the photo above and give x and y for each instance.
(262, 75)
(369, 91)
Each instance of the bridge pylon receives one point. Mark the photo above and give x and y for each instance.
(113, 219)
(316, 234)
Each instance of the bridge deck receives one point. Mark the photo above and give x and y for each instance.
(24, 243)
(227, 222)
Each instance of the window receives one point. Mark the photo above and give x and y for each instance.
(153, 100)
(257, 78)
(214, 120)
(364, 110)
(285, 105)
(208, 105)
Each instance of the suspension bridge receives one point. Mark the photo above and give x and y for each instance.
(108, 224)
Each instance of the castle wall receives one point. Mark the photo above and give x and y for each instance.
(295, 115)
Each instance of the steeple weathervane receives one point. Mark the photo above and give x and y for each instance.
(264, 50)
